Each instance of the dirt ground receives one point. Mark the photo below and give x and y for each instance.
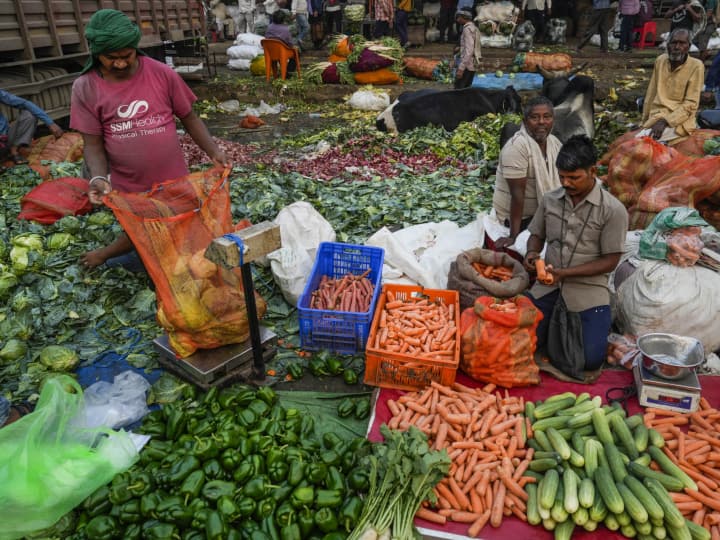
(620, 79)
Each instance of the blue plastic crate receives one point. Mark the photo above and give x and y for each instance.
(339, 331)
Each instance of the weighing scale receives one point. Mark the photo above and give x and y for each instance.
(680, 395)
(237, 362)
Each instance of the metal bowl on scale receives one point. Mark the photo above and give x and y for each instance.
(670, 356)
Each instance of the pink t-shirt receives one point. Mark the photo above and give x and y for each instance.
(136, 119)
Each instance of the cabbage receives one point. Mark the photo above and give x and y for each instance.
(101, 218)
(23, 299)
(70, 224)
(20, 259)
(28, 241)
(59, 240)
(58, 358)
(8, 281)
(13, 350)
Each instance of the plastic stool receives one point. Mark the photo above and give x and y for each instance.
(648, 30)
(278, 52)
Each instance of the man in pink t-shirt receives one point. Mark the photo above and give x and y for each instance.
(125, 107)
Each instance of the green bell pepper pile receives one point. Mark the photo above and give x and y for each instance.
(232, 464)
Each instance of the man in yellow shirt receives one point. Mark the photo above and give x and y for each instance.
(673, 94)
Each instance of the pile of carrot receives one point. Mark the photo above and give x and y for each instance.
(692, 441)
(484, 434)
(417, 327)
(497, 273)
(349, 293)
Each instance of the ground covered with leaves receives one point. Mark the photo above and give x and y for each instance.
(359, 179)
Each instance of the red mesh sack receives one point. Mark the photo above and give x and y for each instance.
(54, 199)
(498, 340)
(200, 304)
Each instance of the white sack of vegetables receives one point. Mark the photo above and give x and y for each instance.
(662, 297)
(200, 305)
(367, 100)
(302, 229)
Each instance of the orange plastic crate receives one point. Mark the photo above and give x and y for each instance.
(403, 371)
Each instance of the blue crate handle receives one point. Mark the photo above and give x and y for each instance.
(240, 244)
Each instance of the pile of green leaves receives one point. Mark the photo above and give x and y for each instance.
(47, 298)
(403, 473)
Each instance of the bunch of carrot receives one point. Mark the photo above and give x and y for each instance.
(349, 293)
(484, 434)
(417, 327)
(692, 441)
(543, 276)
(497, 273)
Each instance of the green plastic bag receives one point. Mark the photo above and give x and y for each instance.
(652, 240)
(51, 462)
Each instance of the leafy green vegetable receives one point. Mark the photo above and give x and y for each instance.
(58, 358)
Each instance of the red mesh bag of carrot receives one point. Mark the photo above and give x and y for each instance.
(200, 304)
(52, 200)
(498, 341)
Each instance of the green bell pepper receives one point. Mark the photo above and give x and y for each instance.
(335, 535)
(346, 407)
(296, 472)
(358, 479)
(274, 454)
(325, 520)
(182, 468)
(119, 493)
(192, 534)
(259, 407)
(132, 532)
(231, 435)
(278, 471)
(307, 426)
(175, 421)
(228, 508)
(180, 515)
(214, 489)
(258, 463)
(285, 514)
(247, 446)
(335, 479)
(306, 521)
(334, 365)
(259, 535)
(267, 395)
(247, 418)
(267, 525)
(350, 512)
(148, 504)
(246, 506)
(330, 440)
(213, 470)
(160, 531)
(316, 473)
(331, 457)
(215, 526)
(362, 409)
(265, 508)
(101, 528)
(210, 396)
(200, 518)
(97, 502)
(203, 428)
(350, 376)
(205, 448)
(290, 532)
(233, 534)
(227, 397)
(130, 511)
(231, 459)
(302, 496)
(282, 492)
(258, 487)
(318, 367)
(154, 429)
(191, 486)
(243, 472)
(328, 498)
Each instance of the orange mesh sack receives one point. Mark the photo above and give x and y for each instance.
(54, 199)
(498, 341)
(200, 304)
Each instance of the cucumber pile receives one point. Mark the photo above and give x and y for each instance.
(592, 466)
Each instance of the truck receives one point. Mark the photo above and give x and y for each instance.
(43, 46)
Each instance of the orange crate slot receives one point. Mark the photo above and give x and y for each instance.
(404, 371)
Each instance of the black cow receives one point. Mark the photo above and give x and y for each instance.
(573, 100)
(445, 108)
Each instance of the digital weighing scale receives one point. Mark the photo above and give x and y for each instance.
(680, 395)
(216, 367)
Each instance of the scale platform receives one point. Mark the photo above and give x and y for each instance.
(681, 395)
(216, 367)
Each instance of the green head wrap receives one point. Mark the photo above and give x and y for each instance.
(109, 30)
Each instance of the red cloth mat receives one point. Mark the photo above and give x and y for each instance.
(511, 526)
